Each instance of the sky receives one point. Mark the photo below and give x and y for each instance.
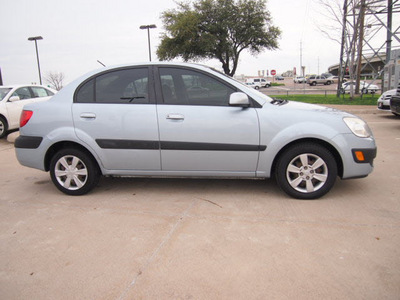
(77, 33)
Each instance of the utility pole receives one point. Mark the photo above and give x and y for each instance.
(389, 31)
(341, 66)
(360, 45)
(301, 58)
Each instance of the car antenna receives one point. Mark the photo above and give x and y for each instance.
(101, 63)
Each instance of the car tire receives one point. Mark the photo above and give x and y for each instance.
(3, 127)
(74, 172)
(314, 83)
(306, 171)
(364, 91)
(329, 83)
(256, 87)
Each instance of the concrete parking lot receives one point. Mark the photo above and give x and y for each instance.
(141, 238)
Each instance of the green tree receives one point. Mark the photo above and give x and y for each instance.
(219, 29)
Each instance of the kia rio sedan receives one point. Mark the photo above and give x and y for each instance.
(186, 120)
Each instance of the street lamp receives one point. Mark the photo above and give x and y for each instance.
(148, 27)
(35, 38)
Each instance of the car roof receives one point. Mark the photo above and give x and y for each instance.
(14, 86)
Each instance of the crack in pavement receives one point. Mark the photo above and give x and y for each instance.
(156, 251)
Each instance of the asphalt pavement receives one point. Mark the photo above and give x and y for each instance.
(144, 238)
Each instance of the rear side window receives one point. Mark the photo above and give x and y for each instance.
(41, 92)
(122, 86)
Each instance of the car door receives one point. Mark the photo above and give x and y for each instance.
(115, 114)
(199, 132)
(14, 108)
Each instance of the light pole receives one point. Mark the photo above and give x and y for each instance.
(148, 27)
(35, 38)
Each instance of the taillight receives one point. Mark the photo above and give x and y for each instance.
(25, 117)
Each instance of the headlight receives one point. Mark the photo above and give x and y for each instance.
(358, 127)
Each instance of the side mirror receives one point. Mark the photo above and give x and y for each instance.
(14, 98)
(239, 99)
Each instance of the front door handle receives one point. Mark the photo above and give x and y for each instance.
(176, 117)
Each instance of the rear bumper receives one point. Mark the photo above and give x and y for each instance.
(28, 142)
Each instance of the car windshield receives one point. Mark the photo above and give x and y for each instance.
(4, 92)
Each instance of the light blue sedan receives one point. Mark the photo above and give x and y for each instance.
(163, 119)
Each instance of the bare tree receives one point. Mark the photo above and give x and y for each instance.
(55, 79)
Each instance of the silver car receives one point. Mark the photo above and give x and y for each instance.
(384, 100)
(149, 120)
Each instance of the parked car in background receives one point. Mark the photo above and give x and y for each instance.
(140, 120)
(278, 77)
(299, 79)
(259, 82)
(384, 100)
(334, 79)
(314, 80)
(365, 88)
(12, 100)
(327, 75)
(395, 102)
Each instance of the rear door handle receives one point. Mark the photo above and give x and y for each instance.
(88, 116)
(177, 117)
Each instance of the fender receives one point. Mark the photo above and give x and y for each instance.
(292, 133)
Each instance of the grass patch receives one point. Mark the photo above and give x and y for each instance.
(277, 84)
(331, 99)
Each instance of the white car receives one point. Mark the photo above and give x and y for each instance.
(384, 100)
(258, 83)
(365, 87)
(299, 79)
(12, 100)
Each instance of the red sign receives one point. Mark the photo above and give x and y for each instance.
(273, 72)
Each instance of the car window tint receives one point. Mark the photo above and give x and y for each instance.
(124, 86)
(23, 93)
(39, 92)
(86, 93)
(186, 87)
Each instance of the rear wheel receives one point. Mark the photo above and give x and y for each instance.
(74, 172)
(3, 127)
(306, 171)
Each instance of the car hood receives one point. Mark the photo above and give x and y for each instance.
(310, 108)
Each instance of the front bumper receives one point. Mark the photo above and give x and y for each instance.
(395, 104)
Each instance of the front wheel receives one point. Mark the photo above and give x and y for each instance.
(306, 171)
(74, 172)
(3, 127)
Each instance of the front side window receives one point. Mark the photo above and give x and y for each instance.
(187, 87)
(122, 86)
(23, 93)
